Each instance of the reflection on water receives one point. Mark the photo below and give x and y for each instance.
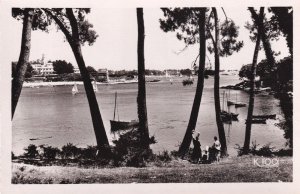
(54, 112)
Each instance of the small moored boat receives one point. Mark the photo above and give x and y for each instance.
(258, 121)
(117, 125)
(238, 105)
(272, 116)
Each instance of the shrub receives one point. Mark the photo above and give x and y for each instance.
(50, 152)
(70, 151)
(165, 156)
(31, 151)
(129, 151)
(266, 150)
(89, 153)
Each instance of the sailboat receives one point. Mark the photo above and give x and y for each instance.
(95, 86)
(238, 104)
(228, 117)
(75, 89)
(167, 74)
(117, 125)
(229, 103)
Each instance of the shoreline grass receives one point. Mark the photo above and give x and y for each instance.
(232, 169)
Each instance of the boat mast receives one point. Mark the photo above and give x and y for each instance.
(115, 105)
(223, 100)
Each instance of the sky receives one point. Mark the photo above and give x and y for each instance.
(116, 46)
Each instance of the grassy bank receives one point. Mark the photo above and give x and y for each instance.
(234, 169)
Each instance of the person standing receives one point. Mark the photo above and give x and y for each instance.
(217, 147)
(196, 155)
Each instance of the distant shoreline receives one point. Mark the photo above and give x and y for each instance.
(70, 83)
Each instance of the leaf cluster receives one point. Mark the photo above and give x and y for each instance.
(40, 21)
(43, 18)
(184, 21)
(270, 29)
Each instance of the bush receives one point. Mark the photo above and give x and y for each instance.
(265, 150)
(165, 156)
(31, 151)
(129, 151)
(70, 151)
(50, 153)
(89, 153)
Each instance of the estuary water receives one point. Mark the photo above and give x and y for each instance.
(53, 116)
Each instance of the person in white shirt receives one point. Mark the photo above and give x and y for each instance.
(217, 147)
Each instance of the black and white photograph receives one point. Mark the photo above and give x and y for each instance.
(141, 95)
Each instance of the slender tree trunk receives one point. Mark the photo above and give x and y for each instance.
(18, 80)
(197, 100)
(141, 98)
(264, 38)
(99, 129)
(220, 126)
(252, 85)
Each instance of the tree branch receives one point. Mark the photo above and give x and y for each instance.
(254, 14)
(208, 20)
(60, 24)
(73, 22)
(224, 13)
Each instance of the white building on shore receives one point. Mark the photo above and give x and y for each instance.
(42, 67)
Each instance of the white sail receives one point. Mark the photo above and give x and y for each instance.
(95, 86)
(75, 89)
(167, 74)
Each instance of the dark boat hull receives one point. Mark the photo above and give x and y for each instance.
(187, 82)
(264, 116)
(230, 103)
(226, 117)
(240, 105)
(122, 125)
(258, 121)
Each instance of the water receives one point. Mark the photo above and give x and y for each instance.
(56, 117)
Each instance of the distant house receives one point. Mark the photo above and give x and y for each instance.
(42, 68)
(103, 75)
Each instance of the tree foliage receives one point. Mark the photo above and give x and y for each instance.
(279, 23)
(183, 21)
(40, 20)
(29, 71)
(61, 67)
(283, 68)
(283, 20)
(229, 33)
(91, 69)
(63, 17)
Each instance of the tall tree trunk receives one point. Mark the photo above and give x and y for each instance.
(141, 98)
(265, 40)
(74, 41)
(220, 126)
(197, 100)
(18, 80)
(252, 85)
(99, 129)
